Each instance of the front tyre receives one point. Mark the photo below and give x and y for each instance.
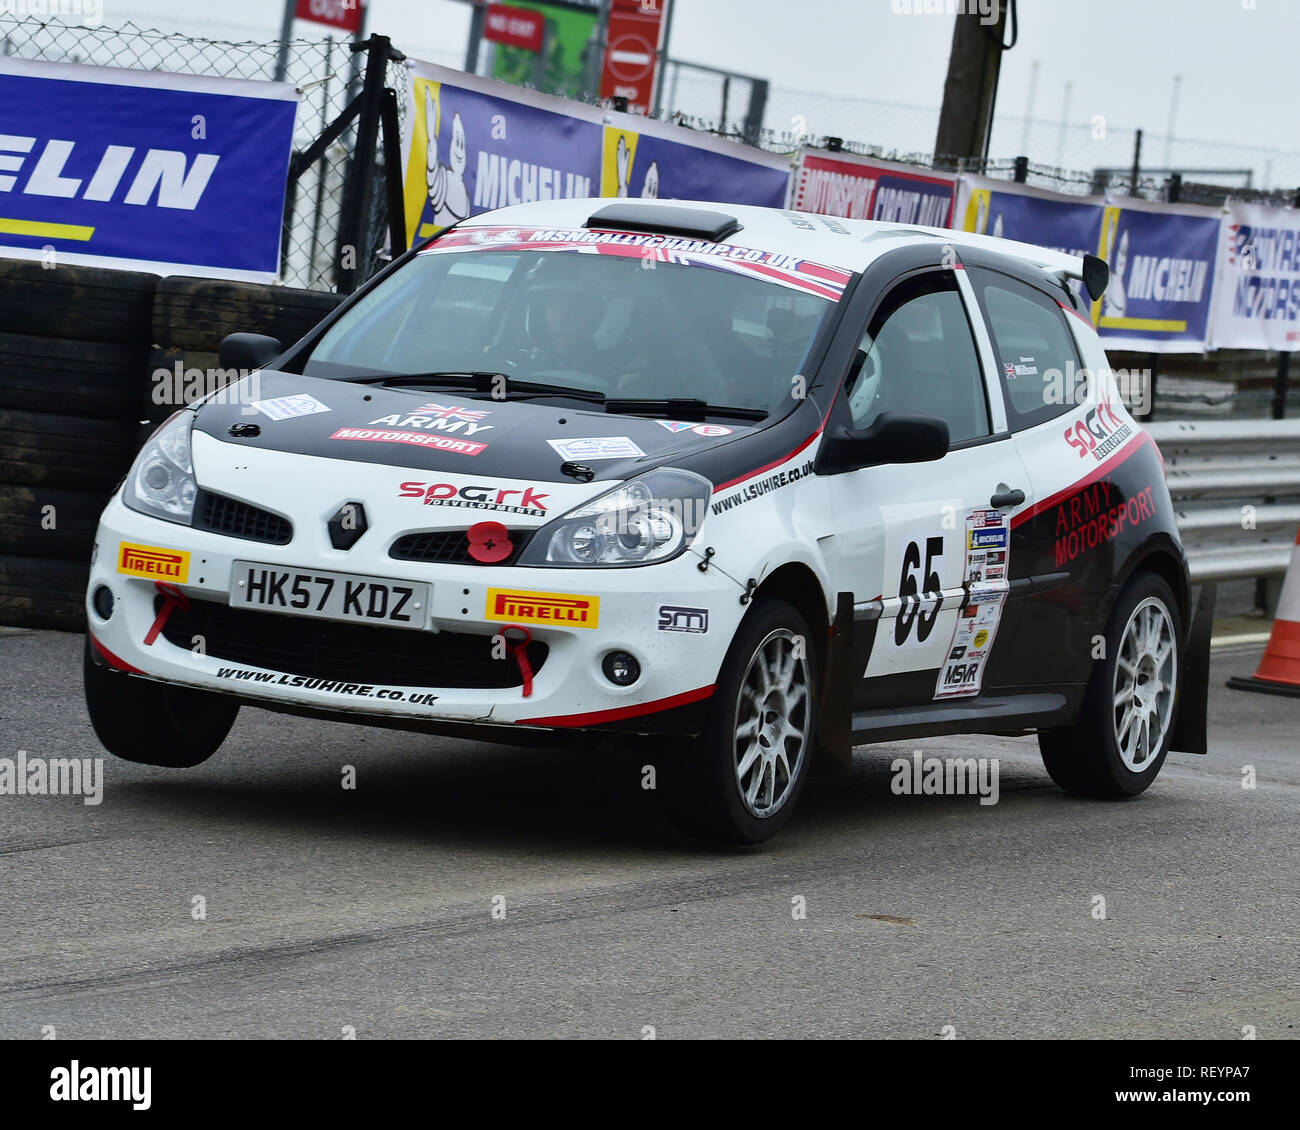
(1120, 742)
(153, 723)
(740, 780)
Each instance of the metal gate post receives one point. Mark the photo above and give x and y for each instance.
(354, 230)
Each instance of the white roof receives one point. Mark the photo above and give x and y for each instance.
(848, 244)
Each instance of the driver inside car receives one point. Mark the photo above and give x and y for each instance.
(562, 323)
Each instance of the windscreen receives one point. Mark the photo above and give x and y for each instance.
(634, 319)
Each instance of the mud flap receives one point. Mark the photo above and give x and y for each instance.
(833, 754)
(1189, 734)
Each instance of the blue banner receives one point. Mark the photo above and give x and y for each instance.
(1161, 256)
(471, 150)
(1063, 223)
(143, 169)
(474, 145)
(1161, 277)
(640, 161)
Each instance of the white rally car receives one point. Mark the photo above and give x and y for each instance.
(744, 485)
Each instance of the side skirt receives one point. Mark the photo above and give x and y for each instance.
(984, 714)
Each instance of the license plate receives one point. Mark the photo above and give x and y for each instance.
(330, 596)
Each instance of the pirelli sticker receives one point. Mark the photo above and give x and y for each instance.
(551, 609)
(152, 563)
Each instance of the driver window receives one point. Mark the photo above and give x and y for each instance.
(920, 357)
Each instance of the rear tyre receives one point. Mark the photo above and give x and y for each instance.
(740, 780)
(153, 723)
(1120, 742)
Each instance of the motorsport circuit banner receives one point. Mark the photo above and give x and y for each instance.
(1161, 256)
(1257, 292)
(175, 174)
(473, 144)
(857, 188)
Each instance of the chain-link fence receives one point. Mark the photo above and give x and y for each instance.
(337, 207)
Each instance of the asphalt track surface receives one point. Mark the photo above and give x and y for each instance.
(371, 911)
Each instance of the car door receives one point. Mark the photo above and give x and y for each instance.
(926, 548)
(1076, 444)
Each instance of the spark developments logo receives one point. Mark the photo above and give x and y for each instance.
(529, 502)
(1099, 433)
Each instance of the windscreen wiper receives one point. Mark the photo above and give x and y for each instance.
(681, 408)
(486, 382)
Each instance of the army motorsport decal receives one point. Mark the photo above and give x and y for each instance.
(414, 439)
(988, 549)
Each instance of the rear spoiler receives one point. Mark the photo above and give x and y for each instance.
(1095, 275)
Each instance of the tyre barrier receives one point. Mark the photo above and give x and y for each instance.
(190, 318)
(79, 349)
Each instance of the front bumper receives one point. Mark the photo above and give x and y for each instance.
(569, 691)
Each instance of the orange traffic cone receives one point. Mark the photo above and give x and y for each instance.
(1279, 670)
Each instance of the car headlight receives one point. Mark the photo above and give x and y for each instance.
(651, 518)
(161, 483)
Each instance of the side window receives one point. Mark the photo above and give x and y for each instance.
(920, 357)
(1037, 362)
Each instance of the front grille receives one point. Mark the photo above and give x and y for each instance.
(351, 653)
(450, 547)
(229, 516)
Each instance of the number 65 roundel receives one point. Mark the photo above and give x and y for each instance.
(917, 615)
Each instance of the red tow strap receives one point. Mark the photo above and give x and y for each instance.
(172, 599)
(519, 649)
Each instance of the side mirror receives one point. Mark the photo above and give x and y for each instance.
(893, 437)
(249, 351)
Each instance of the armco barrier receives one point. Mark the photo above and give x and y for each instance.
(1236, 491)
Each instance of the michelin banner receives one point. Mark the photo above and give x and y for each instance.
(143, 170)
(841, 184)
(1162, 259)
(1161, 256)
(1257, 294)
(473, 145)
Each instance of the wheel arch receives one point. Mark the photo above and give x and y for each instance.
(1163, 556)
(796, 583)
